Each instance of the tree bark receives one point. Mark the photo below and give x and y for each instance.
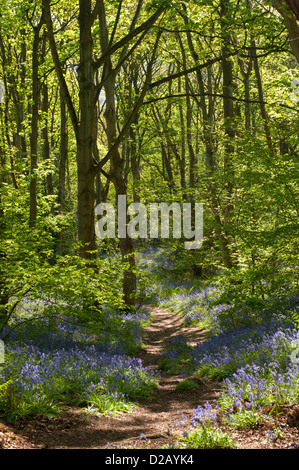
(182, 159)
(228, 106)
(86, 136)
(34, 124)
(45, 138)
(209, 144)
(289, 10)
(264, 114)
(117, 165)
(246, 69)
(4, 295)
(63, 153)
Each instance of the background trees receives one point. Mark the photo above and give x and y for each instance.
(158, 101)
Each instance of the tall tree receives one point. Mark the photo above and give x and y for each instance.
(35, 117)
(84, 127)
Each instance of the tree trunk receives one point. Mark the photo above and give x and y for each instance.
(261, 100)
(228, 107)
(117, 166)
(246, 71)
(45, 138)
(135, 164)
(209, 144)
(4, 296)
(34, 126)
(86, 136)
(183, 144)
(63, 153)
(289, 10)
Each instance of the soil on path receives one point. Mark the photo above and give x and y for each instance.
(154, 419)
(149, 426)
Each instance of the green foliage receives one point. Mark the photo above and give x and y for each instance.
(13, 407)
(194, 264)
(207, 437)
(29, 406)
(85, 287)
(245, 418)
(247, 293)
(6, 394)
(107, 405)
(295, 316)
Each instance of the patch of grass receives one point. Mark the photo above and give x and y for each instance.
(187, 384)
(177, 358)
(104, 405)
(245, 418)
(27, 406)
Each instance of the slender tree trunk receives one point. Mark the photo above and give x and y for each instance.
(4, 296)
(63, 153)
(209, 144)
(183, 144)
(135, 164)
(167, 165)
(246, 71)
(19, 139)
(264, 114)
(192, 158)
(228, 106)
(136, 140)
(228, 118)
(34, 125)
(45, 138)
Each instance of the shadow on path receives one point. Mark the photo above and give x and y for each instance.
(155, 418)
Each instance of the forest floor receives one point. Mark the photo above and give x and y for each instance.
(151, 425)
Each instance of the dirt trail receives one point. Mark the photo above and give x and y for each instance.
(154, 418)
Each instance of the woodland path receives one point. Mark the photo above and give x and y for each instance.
(154, 419)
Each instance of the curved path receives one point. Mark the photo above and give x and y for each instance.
(154, 419)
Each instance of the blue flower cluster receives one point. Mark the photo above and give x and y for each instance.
(259, 344)
(195, 305)
(54, 356)
(255, 363)
(205, 415)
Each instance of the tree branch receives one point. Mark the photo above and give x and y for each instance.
(190, 70)
(181, 95)
(134, 111)
(122, 42)
(58, 68)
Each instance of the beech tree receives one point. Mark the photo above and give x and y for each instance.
(85, 117)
